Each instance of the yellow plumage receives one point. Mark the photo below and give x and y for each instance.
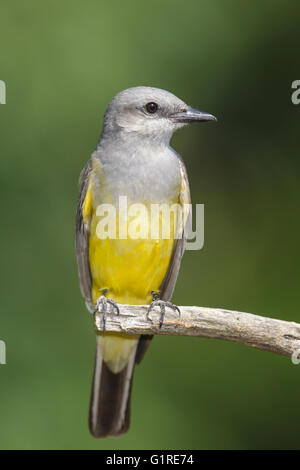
(129, 268)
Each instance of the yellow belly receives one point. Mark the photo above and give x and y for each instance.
(130, 269)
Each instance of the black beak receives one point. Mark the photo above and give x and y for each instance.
(192, 115)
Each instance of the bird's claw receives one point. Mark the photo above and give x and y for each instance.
(101, 306)
(162, 304)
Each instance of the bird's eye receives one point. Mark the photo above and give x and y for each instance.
(151, 108)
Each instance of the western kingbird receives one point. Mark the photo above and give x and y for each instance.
(133, 159)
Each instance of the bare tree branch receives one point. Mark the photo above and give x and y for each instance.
(278, 336)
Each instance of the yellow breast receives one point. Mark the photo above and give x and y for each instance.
(130, 263)
(130, 267)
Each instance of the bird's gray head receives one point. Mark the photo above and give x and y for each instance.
(149, 112)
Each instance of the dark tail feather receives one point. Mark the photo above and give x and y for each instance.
(143, 344)
(110, 399)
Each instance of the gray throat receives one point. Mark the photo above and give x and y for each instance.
(144, 171)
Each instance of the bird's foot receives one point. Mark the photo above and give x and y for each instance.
(162, 304)
(102, 304)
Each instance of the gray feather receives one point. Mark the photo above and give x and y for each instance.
(82, 241)
(137, 161)
(110, 398)
(168, 284)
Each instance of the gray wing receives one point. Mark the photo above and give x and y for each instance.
(82, 241)
(168, 284)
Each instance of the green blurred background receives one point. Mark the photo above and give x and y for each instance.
(62, 62)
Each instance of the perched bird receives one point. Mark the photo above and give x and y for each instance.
(133, 159)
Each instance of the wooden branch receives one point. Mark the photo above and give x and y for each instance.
(278, 336)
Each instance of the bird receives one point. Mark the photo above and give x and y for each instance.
(133, 159)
